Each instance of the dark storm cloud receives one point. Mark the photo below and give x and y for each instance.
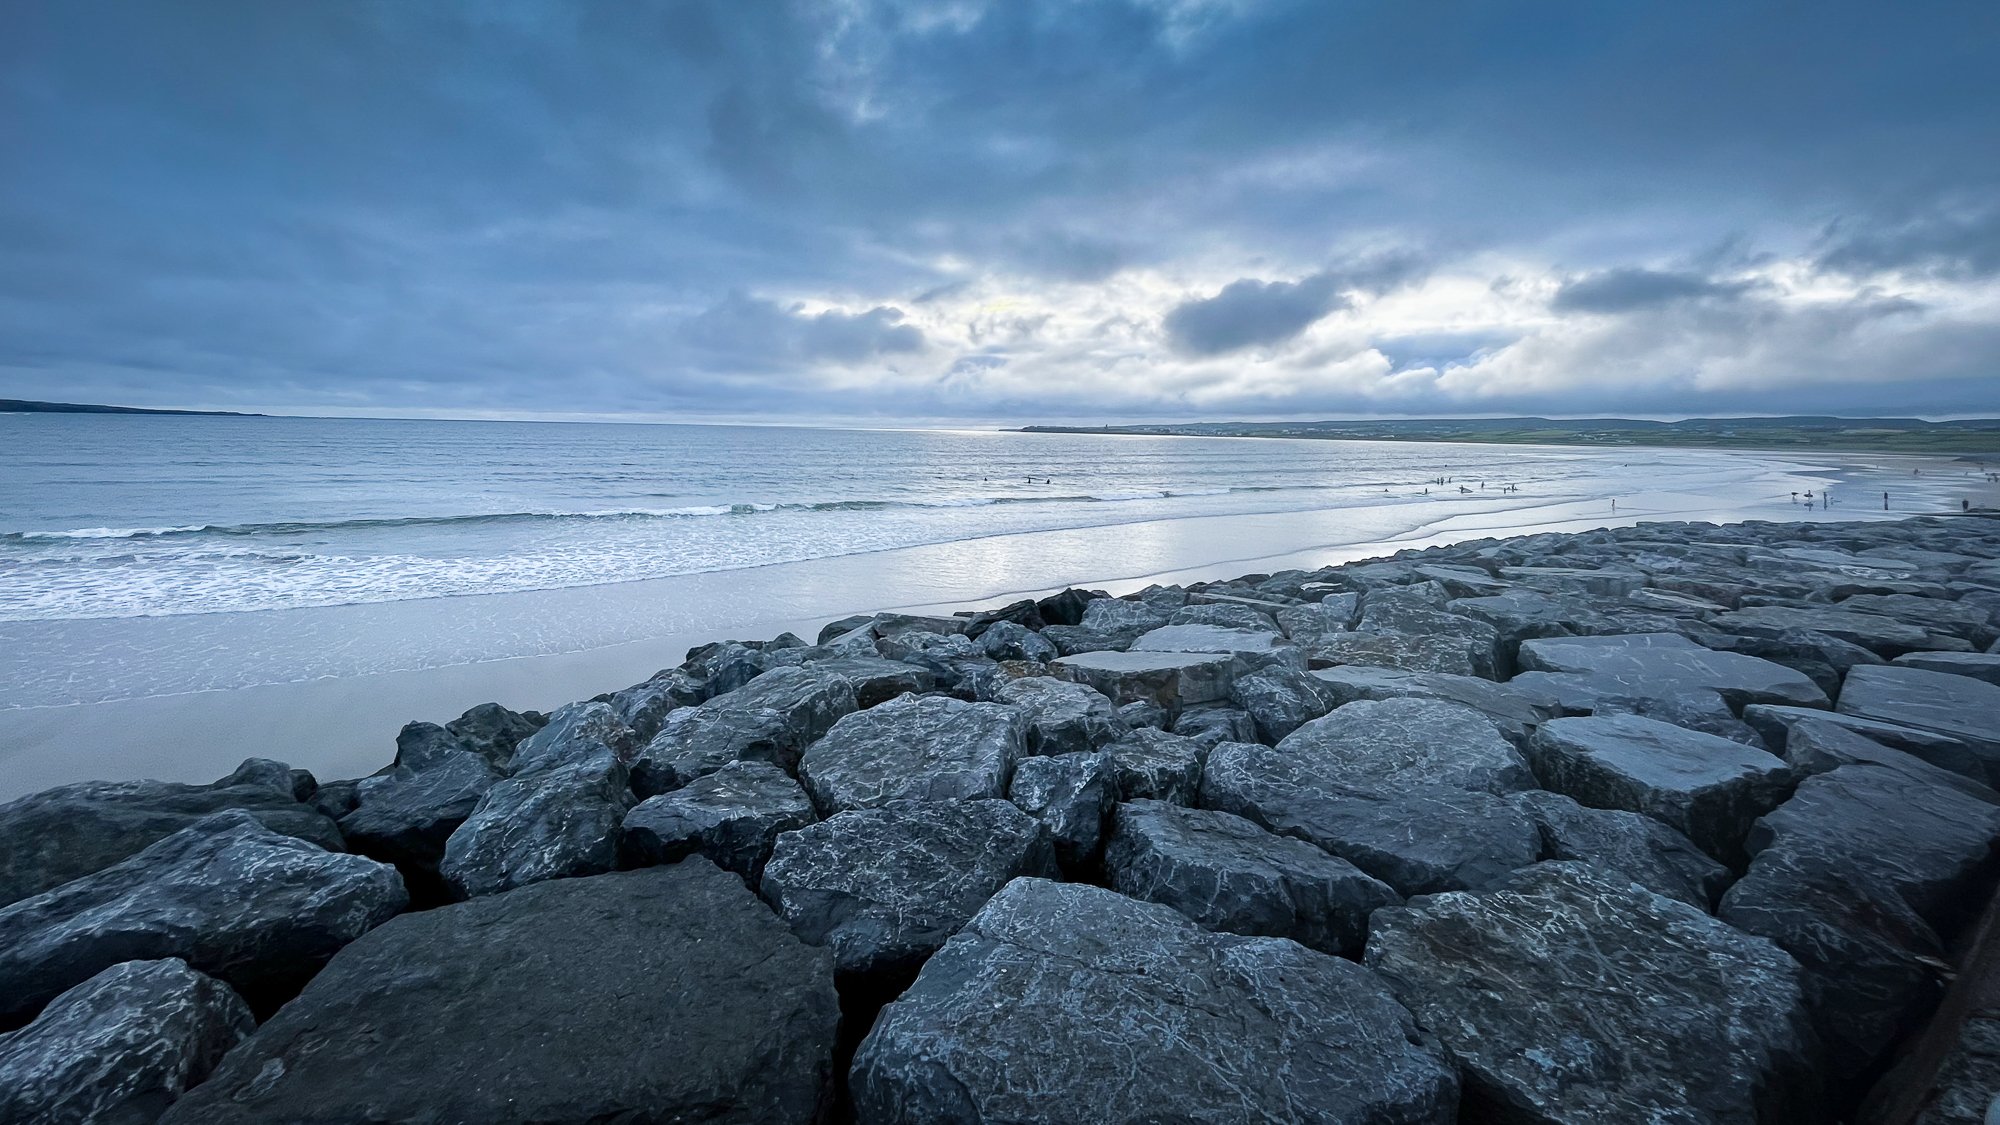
(521, 205)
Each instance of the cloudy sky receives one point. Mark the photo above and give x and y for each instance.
(1018, 210)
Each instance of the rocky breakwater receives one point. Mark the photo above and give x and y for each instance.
(1666, 823)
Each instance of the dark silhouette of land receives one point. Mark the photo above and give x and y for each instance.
(31, 406)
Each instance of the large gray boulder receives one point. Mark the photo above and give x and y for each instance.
(547, 824)
(1419, 841)
(1070, 1004)
(1404, 745)
(120, 1047)
(1174, 680)
(1224, 615)
(1211, 723)
(230, 897)
(405, 816)
(1151, 764)
(1008, 640)
(771, 719)
(668, 994)
(917, 747)
(1511, 707)
(1957, 706)
(884, 887)
(733, 816)
(644, 706)
(1710, 789)
(1120, 618)
(1070, 794)
(492, 731)
(876, 680)
(1668, 664)
(1884, 636)
(1332, 614)
(1936, 747)
(1281, 700)
(1064, 717)
(1978, 665)
(1575, 997)
(1229, 874)
(1815, 746)
(1210, 638)
(1404, 611)
(1427, 652)
(51, 837)
(1628, 845)
(1864, 876)
(575, 733)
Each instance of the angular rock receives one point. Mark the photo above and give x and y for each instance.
(1153, 765)
(1070, 794)
(406, 816)
(1958, 706)
(1967, 620)
(733, 816)
(1067, 607)
(230, 897)
(1978, 665)
(1575, 580)
(1119, 617)
(1075, 640)
(1229, 874)
(1427, 653)
(1882, 635)
(1627, 845)
(575, 733)
(1513, 708)
(1136, 715)
(1213, 723)
(1407, 745)
(1418, 842)
(1816, 746)
(1398, 611)
(1281, 700)
(1064, 717)
(1173, 680)
(876, 680)
(1208, 638)
(1226, 616)
(1066, 1003)
(554, 1003)
(773, 719)
(492, 732)
(1708, 788)
(1302, 623)
(549, 824)
(51, 837)
(1005, 640)
(121, 1046)
(1667, 664)
(1862, 876)
(1574, 997)
(884, 887)
(1937, 748)
(917, 747)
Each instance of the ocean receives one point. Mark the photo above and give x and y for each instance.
(177, 592)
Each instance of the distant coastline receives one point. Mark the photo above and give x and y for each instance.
(32, 406)
(1977, 436)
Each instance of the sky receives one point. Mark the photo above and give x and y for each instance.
(1016, 211)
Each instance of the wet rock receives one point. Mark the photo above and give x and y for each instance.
(1173, 680)
(1574, 997)
(884, 887)
(1667, 664)
(1213, 723)
(1230, 874)
(1404, 745)
(1070, 794)
(51, 837)
(120, 1047)
(405, 817)
(1971, 622)
(1005, 640)
(1075, 640)
(230, 897)
(1627, 845)
(771, 720)
(1419, 841)
(1151, 764)
(1862, 876)
(732, 816)
(1024, 614)
(1281, 700)
(547, 824)
(1958, 706)
(1709, 788)
(834, 630)
(1067, 1003)
(1978, 665)
(554, 1003)
(1064, 717)
(915, 747)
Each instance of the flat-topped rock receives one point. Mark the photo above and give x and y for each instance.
(1884, 636)
(916, 747)
(1064, 717)
(771, 719)
(1333, 614)
(60, 834)
(1409, 745)
(1815, 746)
(1171, 679)
(1573, 997)
(733, 817)
(1575, 580)
(1228, 873)
(1227, 616)
(1960, 707)
(1967, 620)
(1065, 1003)
(1417, 653)
(1512, 707)
(1863, 876)
(1419, 842)
(121, 1046)
(884, 887)
(1210, 638)
(1978, 665)
(554, 1003)
(233, 899)
(1624, 844)
(1710, 789)
(1664, 664)
(1937, 748)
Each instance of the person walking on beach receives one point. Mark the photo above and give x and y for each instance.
(1885, 501)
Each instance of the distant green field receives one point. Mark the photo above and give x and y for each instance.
(1886, 435)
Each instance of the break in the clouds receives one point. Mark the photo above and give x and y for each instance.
(1089, 209)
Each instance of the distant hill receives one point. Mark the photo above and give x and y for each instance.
(1888, 435)
(30, 406)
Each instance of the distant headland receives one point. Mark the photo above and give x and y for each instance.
(1887, 435)
(31, 406)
